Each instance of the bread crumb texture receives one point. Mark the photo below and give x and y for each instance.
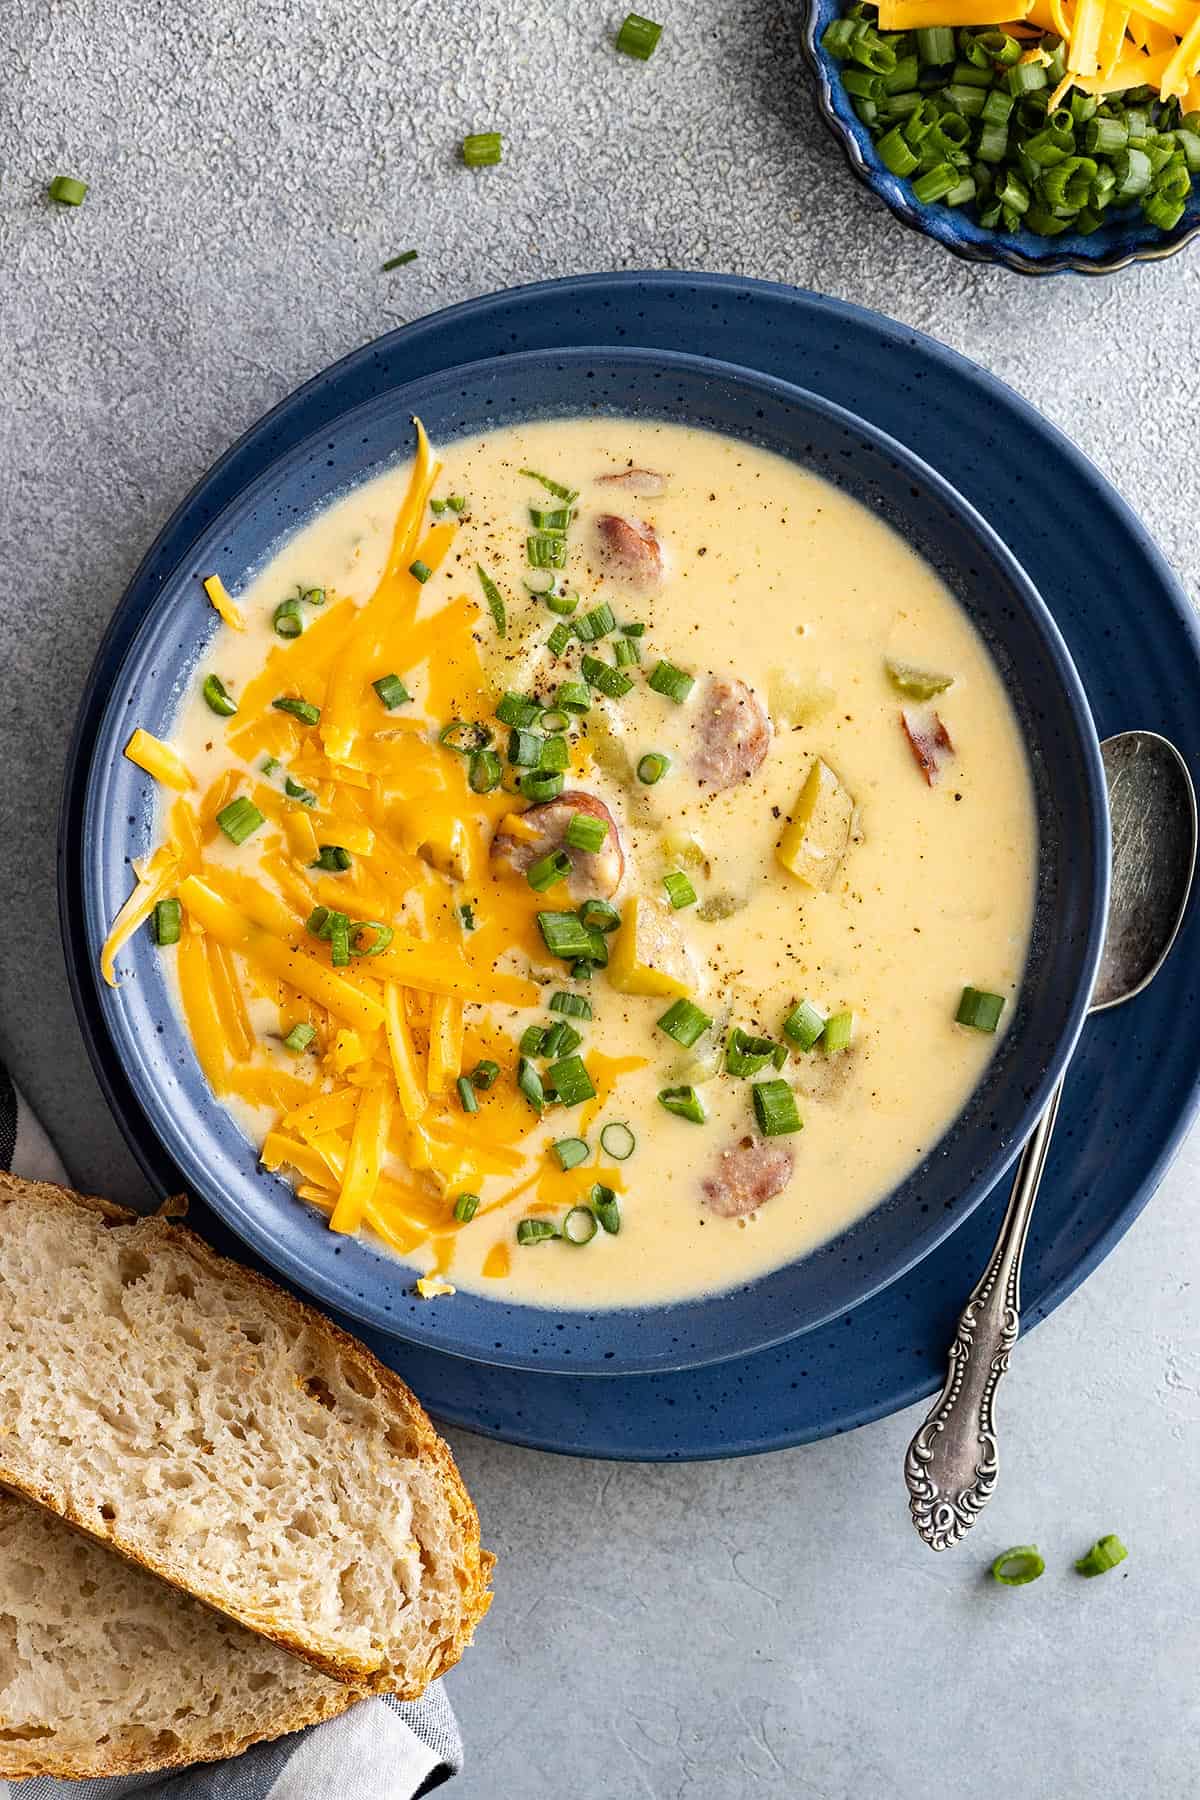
(230, 1439)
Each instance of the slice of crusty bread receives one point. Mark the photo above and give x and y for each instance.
(230, 1439)
(105, 1670)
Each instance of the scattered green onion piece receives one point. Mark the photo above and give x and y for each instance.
(317, 920)
(652, 767)
(300, 1038)
(684, 1102)
(618, 1141)
(1104, 1554)
(559, 640)
(333, 858)
(612, 682)
(555, 757)
(553, 719)
(485, 1074)
(420, 571)
(626, 653)
(936, 183)
(304, 710)
(747, 1055)
(597, 950)
(570, 1152)
(684, 1022)
(168, 921)
(482, 149)
(399, 262)
(239, 819)
(541, 785)
(466, 916)
(1018, 1566)
(674, 683)
(550, 518)
(295, 791)
(314, 596)
(548, 871)
(535, 1231)
(896, 154)
(339, 940)
(680, 891)
(552, 487)
(1162, 212)
(466, 1094)
(562, 604)
(603, 1202)
(1026, 78)
(804, 1025)
(456, 502)
(465, 739)
(775, 1108)
(596, 624)
(979, 1009)
(518, 711)
(580, 1225)
(839, 1030)
(287, 619)
(574, 1006)
(524, 749)
(599, 915)
(544, 551)
(68, 191)
(585, 833)
(378, 944)
(495, 600)
(484, 772)
(269, 764)
(217, 699)
(564, 934)
(574, 696)
(559, 1039)
(530, 1084)
(935, 45)
(392, 691)
(638, 37)
(570, 1080)
(465, 1208)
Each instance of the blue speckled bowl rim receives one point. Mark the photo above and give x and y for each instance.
(1132, 241)
(353, 1275)
(889, 1353)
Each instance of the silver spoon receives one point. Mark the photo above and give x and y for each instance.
(951, 1465)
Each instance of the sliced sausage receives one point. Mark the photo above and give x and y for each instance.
(928, 740)
(630, 550)
(733, 733)
(636, 481)
(594, 872)
(745, 1175)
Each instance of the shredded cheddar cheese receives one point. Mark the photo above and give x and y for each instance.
(223, 602)
(158, 759)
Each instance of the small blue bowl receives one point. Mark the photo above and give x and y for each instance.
(152, 1045)
(1125, 238)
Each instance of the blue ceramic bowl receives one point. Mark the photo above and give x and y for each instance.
(1125, 238)
(118, 824)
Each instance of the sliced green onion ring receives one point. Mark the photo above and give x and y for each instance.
(617, 1140)
(1018, 1566)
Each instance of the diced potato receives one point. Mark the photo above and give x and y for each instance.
(650, 955)
(797, 699)
(815, 841)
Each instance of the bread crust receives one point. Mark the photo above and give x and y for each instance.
(474, 1563)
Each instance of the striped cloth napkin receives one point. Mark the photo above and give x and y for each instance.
(379, 1750)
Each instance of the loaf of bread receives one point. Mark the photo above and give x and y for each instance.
(231, 1440)
(105, 1670)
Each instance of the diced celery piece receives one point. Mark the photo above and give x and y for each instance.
(917, 683)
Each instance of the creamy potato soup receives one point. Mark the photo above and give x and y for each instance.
(597, 860)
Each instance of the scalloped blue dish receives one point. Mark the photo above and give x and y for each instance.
(200, 1136)
(1126, 239)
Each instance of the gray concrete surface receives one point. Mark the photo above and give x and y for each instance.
(727, 1632)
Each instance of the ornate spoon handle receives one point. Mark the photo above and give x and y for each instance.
(951, 1465)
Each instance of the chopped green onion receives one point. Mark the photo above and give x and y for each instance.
(597, 950)
(552, 487)
(570, 1080)
(979, 1009)
(339, 940)
(935, 45)
(518, 711)
(564, 934)
(559, 639)
(585, 833)
(378, 944)
(485, 772)
(562, 604)
(554, 719)
(495, 600)
(485, 1074)
(612, 682)
(399, 262)
(548, 871)
(420, 571)
(466, 916)
(775, 1108)
(217, 699)
(580, 1225)
(638, 37)
(465, 739)
(314, 596)
(574, 696)
(535, 1231)
(269, 764)
(317, 920)
(560, 1040)
(599, 915)
(550, 518)
(570, 1152)
(543, 551)
(684, 1102)
(531, 1041)
(333, 858)
(555, 757)
(747, 1055)
(295, 791)
(914, 682)
(168, 921)
(680, 891)
(635, 629)
(618, 1141)
(68, 191)
(524, 749)
(626, 653)
(603, 1202)
(839, 1029)
(540, 785)
(239, 819)
(652, 767)
(530, 1084)
(304, 710)
(482, 149)
(287, 618)
(573, 1005)
(465, 1208)
(466, 1094)
(391, 691)
(685, 1022)
(667, 679)
(1016, 1567)
(1104, 1554)
(300, 1038)
(456, 502)
(804, 1025)
(542, 582)
(595, 624)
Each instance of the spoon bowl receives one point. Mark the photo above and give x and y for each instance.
(1152, 818)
